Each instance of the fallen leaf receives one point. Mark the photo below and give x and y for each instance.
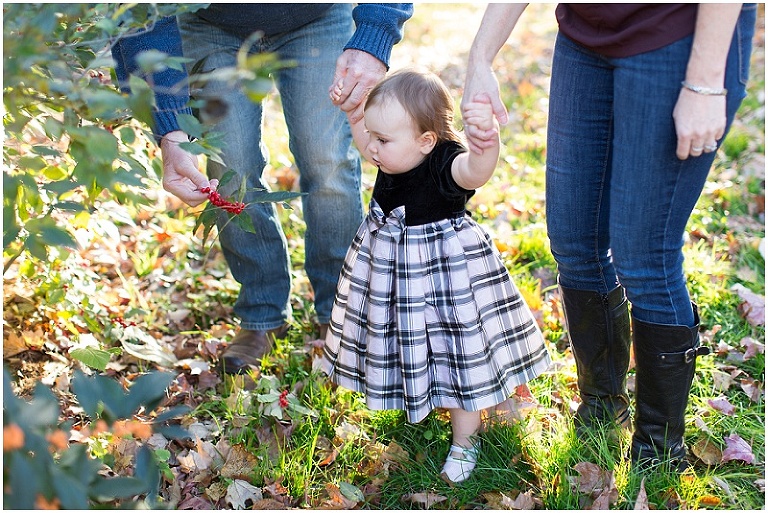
(709, 500)
(144, 346)
(641, 502)
(722, 405)
(736, 448)
(395, 454)
(351, 492)
(336, 499)
(195, 502)
(752, 388)
(752, 306)
(326, 451)
(591, 477)
(13, 344)
(240, 493)
(753, 347)
(195, 367)
(707, 452)
(239, 464)
(424, 499)
(725, 487)
(608, 496)
(269, 504)
(523, 501)
(494, 500)
(702, 425)
(722, 381)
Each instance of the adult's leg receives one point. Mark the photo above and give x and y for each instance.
(258, 261)
(647, 234)
(321, 143)
(577, 183)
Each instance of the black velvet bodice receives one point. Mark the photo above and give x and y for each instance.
(428, 192)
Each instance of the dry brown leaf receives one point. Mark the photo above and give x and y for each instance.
(269, 504)
(240, 493)
(13, 344)
(239, 463)
(752, 306)
(523, 501)
(591, 477)
(753, 347)
(722, 381)
(641, 503)
(494, 500)
(396, 454)
(707, 452)
(424, 499)
(752, 388)
(336, 499)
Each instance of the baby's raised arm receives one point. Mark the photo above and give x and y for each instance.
(472, 170)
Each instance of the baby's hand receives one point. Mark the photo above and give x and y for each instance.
(479, 118)
(336, 91)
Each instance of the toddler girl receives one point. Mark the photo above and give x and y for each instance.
(426, 315)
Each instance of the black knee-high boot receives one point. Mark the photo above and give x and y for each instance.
(665, 361)
(599, 330)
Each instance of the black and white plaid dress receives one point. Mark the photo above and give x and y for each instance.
(426, 315)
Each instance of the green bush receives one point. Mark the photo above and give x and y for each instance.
(42, 470)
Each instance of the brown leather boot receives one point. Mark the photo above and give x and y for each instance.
(247, 348)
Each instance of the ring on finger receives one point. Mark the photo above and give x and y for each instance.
(710, 147)
(696, 149)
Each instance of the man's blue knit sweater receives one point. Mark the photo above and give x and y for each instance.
(378, 28)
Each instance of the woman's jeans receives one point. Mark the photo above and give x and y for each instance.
(320, 141)
(618, 198)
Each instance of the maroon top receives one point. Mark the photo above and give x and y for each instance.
(623, 30)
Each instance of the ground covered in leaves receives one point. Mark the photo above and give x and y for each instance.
(144, 293)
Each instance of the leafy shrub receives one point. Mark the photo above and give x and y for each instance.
(41, 470)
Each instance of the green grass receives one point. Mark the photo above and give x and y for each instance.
(380, 454)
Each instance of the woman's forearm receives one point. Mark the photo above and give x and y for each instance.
(711, 41)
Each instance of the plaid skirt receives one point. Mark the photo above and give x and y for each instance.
(428, 317)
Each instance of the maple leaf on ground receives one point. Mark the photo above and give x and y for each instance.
(736, 448)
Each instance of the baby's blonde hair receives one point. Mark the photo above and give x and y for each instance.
(424, 97)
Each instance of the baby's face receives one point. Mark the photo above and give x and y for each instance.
(395, 145)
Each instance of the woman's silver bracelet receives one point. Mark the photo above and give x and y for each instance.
(707, 91)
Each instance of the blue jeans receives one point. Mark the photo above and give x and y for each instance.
(617, 197)
(321, 143)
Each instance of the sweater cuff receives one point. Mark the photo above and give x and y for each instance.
(165, 121)
(373, 40)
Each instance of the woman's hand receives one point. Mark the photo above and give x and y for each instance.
(699, 123)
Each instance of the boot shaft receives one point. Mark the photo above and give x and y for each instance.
(665, 363)
(598, 327)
